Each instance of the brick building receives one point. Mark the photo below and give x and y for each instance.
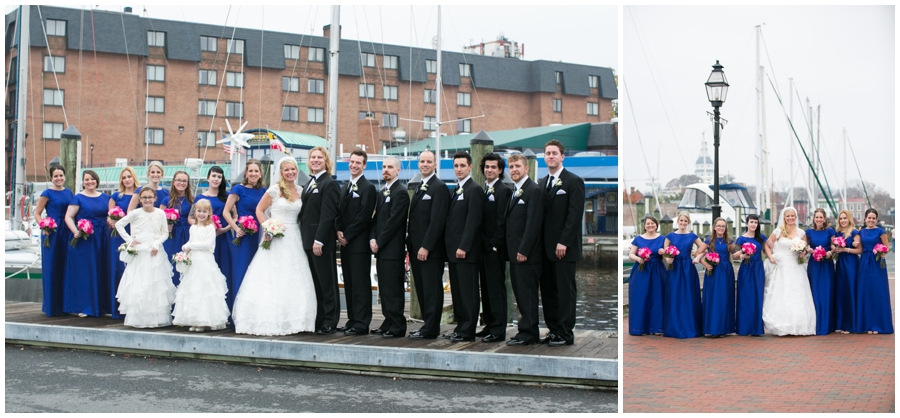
(124, 78)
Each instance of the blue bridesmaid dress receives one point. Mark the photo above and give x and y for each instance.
(645, 290)
(53, 258)
(116, 266)
(845, 283)
(682, 315)
(751, 284)
(181, 233)
(87, 277)
(718, 294)
(241, 255)
(222, 241)
(873, 296)
(821, 280)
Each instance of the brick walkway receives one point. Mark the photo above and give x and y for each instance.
(833, 373)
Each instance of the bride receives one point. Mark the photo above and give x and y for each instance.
(788, 307)
(277, 296)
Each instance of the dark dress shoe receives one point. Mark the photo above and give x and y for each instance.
(491, 338)
(419, 336)
(377, 331)
(548, 338)
(458, 338)
(388, 334)
(325, 330)
(558, 341)
(483, 333)
(449, 336)
(355, 332)
(517, 342)
(344, 328)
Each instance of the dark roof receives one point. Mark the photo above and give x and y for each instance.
(265, 49)
(602, 135)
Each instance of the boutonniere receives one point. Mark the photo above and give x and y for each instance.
(491, 190)
(354, 187)
(312, 184)
(519, 193)
(558, 183)
(459, 191)
(424, 187)
(387, 192)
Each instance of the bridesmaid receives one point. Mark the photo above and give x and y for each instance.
(645, 285)
(681, 299)
(122, 199)
(873, 296)
(821, 273)
(718, 285)
(180, 198)
(244, 197)
(845, 272)
(154, 175)
(751, 280)
(87, 266)
(217, 197)
(53, 258)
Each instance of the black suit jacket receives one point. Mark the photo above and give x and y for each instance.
(463, 228)
(493, 220)
(320, 208)
(427, 218)
(355, 215)
(564, 211)
(523, 224)
(389, 223)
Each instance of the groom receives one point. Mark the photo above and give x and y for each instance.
(320, 207)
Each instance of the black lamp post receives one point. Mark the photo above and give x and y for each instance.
(92, 155)
(716, 90)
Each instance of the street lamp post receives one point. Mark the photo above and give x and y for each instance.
(92, 155)
(716, 90)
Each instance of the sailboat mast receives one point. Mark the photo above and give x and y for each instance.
(812, 182)
(790, 199)
(844, 189)
(18, 190)
(765, 149)
(437, 107)
(759, 150)
(334, 49)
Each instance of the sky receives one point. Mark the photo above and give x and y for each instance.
(840, 57)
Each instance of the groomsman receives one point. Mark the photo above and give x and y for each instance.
(353, 225)
(524, 215)
(493, 264)
(462, 239)
(425, 243)
(386, 240)
(320, 207)
(564, 210)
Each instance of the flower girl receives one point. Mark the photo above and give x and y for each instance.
(146, 291)
(200, 299)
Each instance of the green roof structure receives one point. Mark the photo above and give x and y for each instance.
(573, 136)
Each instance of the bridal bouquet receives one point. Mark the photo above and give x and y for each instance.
(217, 222)
(172, 217)
(713, 260)
(798, 247)
(880, 250)
(47, 225)
(669, 255)
(840, 242)
(246, 224)
(86, 228)
(644, 254)
(819, 253)
(748, 249)
(114, 215)
(273, 228)
(181, 260)
(126, 253)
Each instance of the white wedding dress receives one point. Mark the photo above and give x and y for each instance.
(277, 296)
(788, 307)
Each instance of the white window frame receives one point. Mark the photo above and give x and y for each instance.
(156, 38)
(463, 99)
(465, 70)
(209, 43)
(391, 62)
(291, 52)
(156, 104)
(315, 115)
(367, 90)
(208, 105)
(363, 115)
(52, 64)
(464, 126)
(234, 110)
(56, 27)
(430, 123)
(315, 86)
(154, 71)
(389, 120)
(315, 54)
(290, 84)
(152, 135)
(430, 96)
(54, 97)
(211, 77)
(431, 66)
(389, 92)
(206, 139)
(233, 79)
(55, 129)
(557, 105)
(559, 77)
(367, 59)
(293, 113)
(235, 46)
(593, 109)
(593, 81)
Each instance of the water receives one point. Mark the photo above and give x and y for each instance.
(597, 305)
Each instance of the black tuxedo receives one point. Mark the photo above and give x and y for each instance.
(389, 232)
(493, 265)
(524, 218)
(355, 221)
(463, 231)
(564, 211)
(320, 208)
(427, 217)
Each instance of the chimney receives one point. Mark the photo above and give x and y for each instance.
(326, 31)
(128, 9)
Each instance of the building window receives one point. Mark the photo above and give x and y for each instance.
(367, 90)
(156, 38)
(431, 66)
(430, 96)
(368, 60)
(317, 54)
(465, 70)
(464, 99)
(390, 62)
(156, 73)
(316, 86)
(464, 126)
(559, 77)
(154, 136)
(156, 104)
(291, 52)
(593, 81)
(290, 113)
(208, 77)
(208, 43)
(430, 123)
(557, 105)
(234, 110)
(54, 64)
(54, 97)
(52, 130)
(593, 109)
(56, 27)
(363, 115)
(290, 84)
(389, 120)
(234, 79)
(206, 139)
(235, 46)
(207, 108)
(315, 115)
(389, 92)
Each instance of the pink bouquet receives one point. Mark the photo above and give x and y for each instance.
(172, 217)
(181, 260)
(669, 255)
(114, 215)
(246, 224)
(748, 249)
(47, 225)
(713, 260)
(217, 222)
(644, 254)
(880, 251)
(275, 229)
(86, 228)
(840, 242)
(819, 253)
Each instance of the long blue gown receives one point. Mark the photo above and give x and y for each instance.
(821, 280)
(718, 294)
(241, 255)
(873, 296)
(845, 284)
(645, 290)
(117, 267)
(751, 284)
(222, 241)
(87, 274)
(53, 258)
(181, 232)
(682, 315)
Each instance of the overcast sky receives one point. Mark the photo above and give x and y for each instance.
(841, 58)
